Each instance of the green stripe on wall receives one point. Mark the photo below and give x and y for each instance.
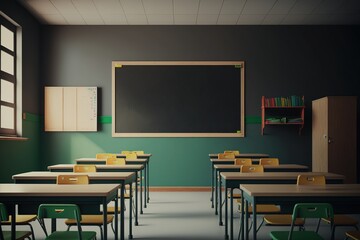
(248, 119)
(104, 119)
(32, 117)
(108, 119)
(252, 119)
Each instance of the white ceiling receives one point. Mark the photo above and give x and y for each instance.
(195, 12)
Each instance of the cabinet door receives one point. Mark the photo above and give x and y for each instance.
(320, 135)
(342, 137)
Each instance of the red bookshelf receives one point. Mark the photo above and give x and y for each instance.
(282, 111)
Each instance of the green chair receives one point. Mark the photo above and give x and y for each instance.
(5, 235)
(54, 211)
(305, 210)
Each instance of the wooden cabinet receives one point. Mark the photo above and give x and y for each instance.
(70, 109)
(334, 133)
(282, 112)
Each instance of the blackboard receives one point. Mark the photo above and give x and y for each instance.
(178, 99)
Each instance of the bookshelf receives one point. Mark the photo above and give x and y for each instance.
(282, 111)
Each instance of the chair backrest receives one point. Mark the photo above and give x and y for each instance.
(138, 152)
(311, 180)
(125, 151)
(311, 210)
(115, 161)
(243, 161)
(226, 156)
(61, 211)
(105, 155)
(232, 151)
(84, 168)
(72, 179)
(131, 156)
(269, 161)
(251, 168)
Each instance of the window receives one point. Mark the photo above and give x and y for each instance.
(8, 79)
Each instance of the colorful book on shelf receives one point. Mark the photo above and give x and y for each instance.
(292, 101)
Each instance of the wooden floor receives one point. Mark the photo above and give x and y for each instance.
(185, 216)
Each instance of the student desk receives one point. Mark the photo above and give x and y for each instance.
(267, 168)
(214, 160)
(109, 168)
(94, 178)
(28, 197)
(345, 198)
(143, 159)
(234, 179)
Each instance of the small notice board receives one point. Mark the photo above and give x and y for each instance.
(70, 109)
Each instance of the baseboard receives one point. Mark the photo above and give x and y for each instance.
(180, 189)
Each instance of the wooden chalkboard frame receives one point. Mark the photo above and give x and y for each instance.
(240, 133)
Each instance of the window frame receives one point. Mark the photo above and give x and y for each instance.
(8, 77)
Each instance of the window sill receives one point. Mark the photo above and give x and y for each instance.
(13, 138)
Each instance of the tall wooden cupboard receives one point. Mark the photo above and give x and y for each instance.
(334, 136)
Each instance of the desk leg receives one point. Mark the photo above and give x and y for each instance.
(130, 212)
(136, 203)
(242, 217)
(104, 219)
(220, 203)
(226, 212)
(122, 206)
(13, 223)
(116, 218)
(148, 180)
(246, 220)
(216, 192)
(231, 214)
(212, 186)
(254, 219)
(141, 192)
(145, 183)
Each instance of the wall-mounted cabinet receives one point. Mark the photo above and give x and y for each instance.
(70, 109)
(282, 111)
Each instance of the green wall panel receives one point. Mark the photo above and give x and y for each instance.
(175, 161)
(21, 156)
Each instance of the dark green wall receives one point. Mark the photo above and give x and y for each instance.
(314, 61)
(21, 156)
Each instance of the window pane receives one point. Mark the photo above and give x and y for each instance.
(7, 63)
(7, 38)
(7, 91)
(7, 117)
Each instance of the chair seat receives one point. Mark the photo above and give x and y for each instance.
(21, 219)
(355, 235)
(19, 235)
(71, 235)
(263, 208)
(90, 220)
(235, 195)
(282, 220)
(300, 235)
(111, 210)
(342, 220)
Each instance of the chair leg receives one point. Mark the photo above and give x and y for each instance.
(101, 233)
(318, 225)
(262, 222)
(112, 226)
(32, 231)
